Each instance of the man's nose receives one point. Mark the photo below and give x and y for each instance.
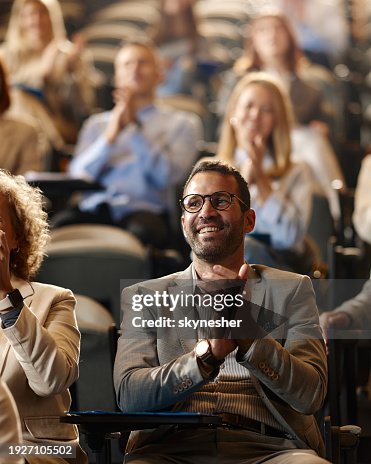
(207, 208)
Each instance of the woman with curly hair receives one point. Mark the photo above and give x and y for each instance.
(39, 338)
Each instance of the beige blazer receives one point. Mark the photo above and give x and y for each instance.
(156, 369)
(10, 428)
(20, 150)
(39, 360)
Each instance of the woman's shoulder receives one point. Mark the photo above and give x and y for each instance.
(53, 291)
(22, 127)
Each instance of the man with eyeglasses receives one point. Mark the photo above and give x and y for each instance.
(264, 377)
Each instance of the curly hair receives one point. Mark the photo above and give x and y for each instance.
(30, 223)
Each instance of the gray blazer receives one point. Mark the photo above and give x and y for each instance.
(359, 308)
(156, 368)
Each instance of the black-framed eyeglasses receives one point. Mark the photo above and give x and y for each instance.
(221, 201)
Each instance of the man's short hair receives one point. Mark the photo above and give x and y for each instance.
(145, 43)
(225, 169)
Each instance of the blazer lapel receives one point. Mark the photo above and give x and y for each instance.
(183, 286)
(27, 292)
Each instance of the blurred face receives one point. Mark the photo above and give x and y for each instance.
(175, 7)
(135, 67)
(253, 114)
(6, 223)
(35, 23)
(270, 39)
(212, 234)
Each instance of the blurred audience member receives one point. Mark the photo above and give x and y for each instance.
(271, 46)
(10, 425)
(322, 40)
(49, 74)
(137, 151)
(355, 313)
(21, 148)
(39, 338)
(255, 138)
(181, 48)
(311, 147)
(316, 99)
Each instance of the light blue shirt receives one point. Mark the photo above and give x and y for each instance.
(142, 165)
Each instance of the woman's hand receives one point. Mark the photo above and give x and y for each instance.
(60, 57)
(252, 168)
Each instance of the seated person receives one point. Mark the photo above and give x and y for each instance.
(137, 151)
(255, 138)
(39, 338)
(271, 46)
(181, 49)
(22, 148)
(355, 313)
(51, 77)
(265, 381)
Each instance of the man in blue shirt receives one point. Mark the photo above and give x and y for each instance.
(138, 152)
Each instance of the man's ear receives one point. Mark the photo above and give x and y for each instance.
(249, 220)
(182, 220)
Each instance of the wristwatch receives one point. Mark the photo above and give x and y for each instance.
(203, 352)
(14, 299)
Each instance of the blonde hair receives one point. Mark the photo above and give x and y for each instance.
(280, 139)
(14, 39)
(251, 61)
(30, 224)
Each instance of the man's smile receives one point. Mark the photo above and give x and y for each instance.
(208, 229)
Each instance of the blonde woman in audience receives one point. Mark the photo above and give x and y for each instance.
(271, 46)
(255, 138)
(50, 76)
(39, 338)
(316, 100)
(22, 148)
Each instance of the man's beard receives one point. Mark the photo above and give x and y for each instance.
(214, 251)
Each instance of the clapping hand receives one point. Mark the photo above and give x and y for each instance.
(123, 113)
(216, 280)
